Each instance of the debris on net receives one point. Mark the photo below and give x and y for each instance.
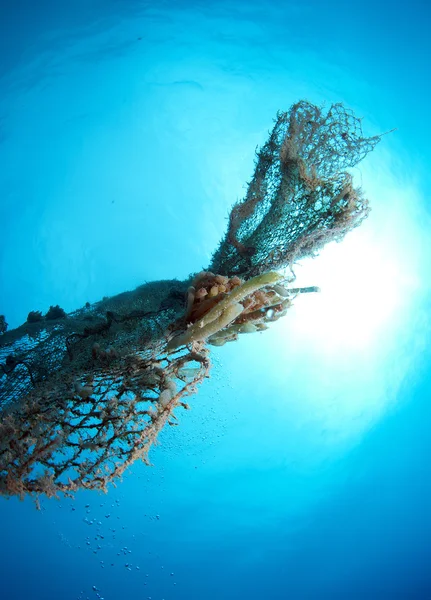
(84, 395)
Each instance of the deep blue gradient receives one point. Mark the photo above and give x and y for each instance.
(127, 131)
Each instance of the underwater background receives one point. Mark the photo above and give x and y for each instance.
(127, 131)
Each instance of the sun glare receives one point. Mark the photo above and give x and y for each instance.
(367, 281)
(360, 293)
(361, 335)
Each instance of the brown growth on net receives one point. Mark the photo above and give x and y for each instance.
(84, 396)
(300, 197)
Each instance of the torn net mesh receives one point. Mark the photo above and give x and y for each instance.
(300, 197)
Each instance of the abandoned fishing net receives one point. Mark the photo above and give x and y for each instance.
(84, 395)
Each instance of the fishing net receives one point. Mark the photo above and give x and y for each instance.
(300, 197)
(83, 395)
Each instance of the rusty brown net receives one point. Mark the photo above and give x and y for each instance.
(82, 396)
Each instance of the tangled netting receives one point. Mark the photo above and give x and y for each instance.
(299, 198)
(82, 396)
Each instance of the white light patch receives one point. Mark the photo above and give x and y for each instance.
(344, 353)
(362, 284)
(368, 280)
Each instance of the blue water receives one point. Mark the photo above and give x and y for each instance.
(127, 131)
